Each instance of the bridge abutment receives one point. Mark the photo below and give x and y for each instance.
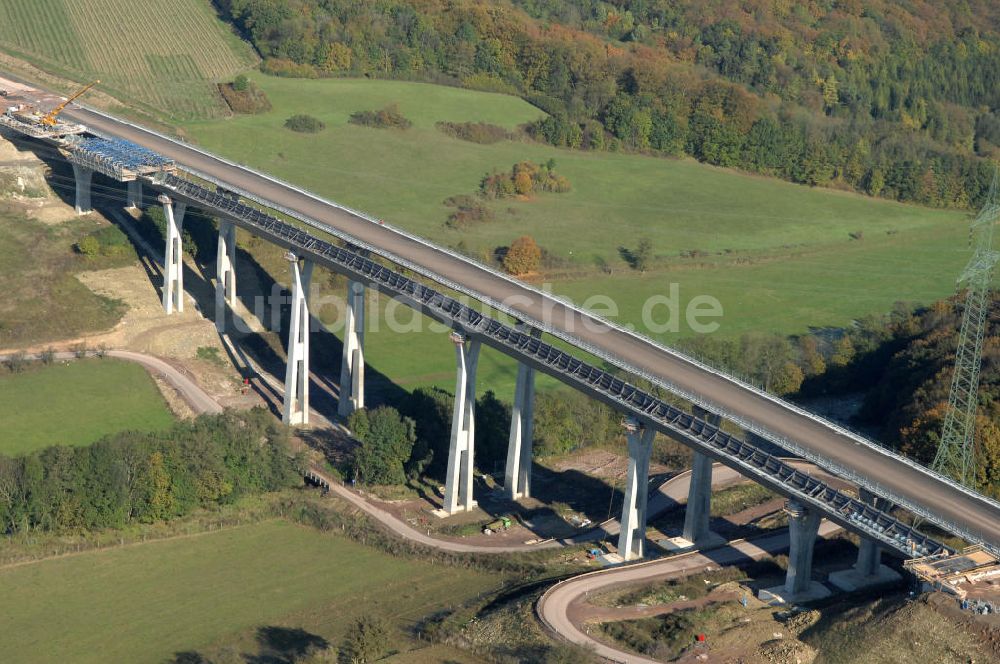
(225, 272)
(632, 539)
(296, 407)
(517, 474)
(82, 175)
(352, 366)
(461, 452)
(173, 256)
(133, 197)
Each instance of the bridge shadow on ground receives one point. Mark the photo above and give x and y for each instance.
(558, 498)
(254, 336)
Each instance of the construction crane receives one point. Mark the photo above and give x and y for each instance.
(49, 120)
(955, 455)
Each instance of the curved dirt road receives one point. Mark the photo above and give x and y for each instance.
(553, 607)
(667, 495)
(198, 399)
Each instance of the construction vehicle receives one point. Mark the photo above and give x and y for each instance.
(31, 115)
(49, 120)
(503, 523)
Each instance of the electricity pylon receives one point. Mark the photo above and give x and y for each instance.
(955, 455)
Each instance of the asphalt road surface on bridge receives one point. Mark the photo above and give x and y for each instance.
(946, 502)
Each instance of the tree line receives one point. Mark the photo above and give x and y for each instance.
(140, 477)
(862, 94)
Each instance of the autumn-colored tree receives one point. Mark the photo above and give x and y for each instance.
(787, 379)
(812, 360)
(523, 183)
(160, 496)
(523, 256)
(843, 352)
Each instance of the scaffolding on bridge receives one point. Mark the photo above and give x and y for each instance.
(746, 458)
(117, 158)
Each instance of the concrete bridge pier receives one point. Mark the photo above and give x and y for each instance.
(225, 272)
(82, 175)
(868, 570)
(461, 452)
(699, 505)
(803, 525)
(173, 256)
(296, 410)
(517, 475)
(134, 195)
(352, 366)
(632, 539)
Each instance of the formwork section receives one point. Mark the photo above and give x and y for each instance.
(116, 158)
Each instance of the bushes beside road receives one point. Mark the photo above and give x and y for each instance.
(145, 477)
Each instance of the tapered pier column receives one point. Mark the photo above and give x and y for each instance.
(82, 175)
(632, 539)
(296, 409)
(173, 256)
(803, 524)
(225, 272)
(134, 194)
(461, 452)
(517, 477)
(699, 504)
(352, 365)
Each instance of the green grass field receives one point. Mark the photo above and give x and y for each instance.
(43, 300)
(144, 603)
(162, 56)
(403, 177)
(778, 257)
(76, 403)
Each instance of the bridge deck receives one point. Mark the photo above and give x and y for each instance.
(958, 510)
(749, 460)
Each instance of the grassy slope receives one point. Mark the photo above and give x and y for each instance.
(83, 401)
(799, 267)
(146, 602)
(42, 299)
(403, 176)
(163, 56)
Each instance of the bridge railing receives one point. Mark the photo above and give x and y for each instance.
(749, 459)
(602, 353)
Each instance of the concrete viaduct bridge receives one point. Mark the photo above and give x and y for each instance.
(185, 176)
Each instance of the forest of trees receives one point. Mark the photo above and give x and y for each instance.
(899, 101)
(146, 477)
(903, 365)
(900, 364)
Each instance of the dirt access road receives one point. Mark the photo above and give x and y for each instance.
(554, 608)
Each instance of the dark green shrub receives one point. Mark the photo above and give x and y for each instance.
(305, 124)
(388, 117)
(475, 132)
